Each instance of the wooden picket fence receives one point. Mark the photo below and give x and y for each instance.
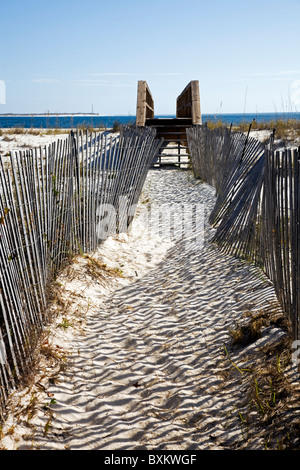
(58, 201)
(256, 214)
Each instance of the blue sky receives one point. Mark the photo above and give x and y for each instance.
(75, 56)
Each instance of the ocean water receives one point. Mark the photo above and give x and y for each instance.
(69, 122)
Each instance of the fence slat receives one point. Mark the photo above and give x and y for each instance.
(51, 200)
(256, 214)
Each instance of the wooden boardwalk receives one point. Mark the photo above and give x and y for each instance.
(174, 151)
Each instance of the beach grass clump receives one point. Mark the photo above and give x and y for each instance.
(88, 128)
(96, 268)
(215, 124)
(248, 333)
(289, 129)
(55, 131)
(31, 131)
(84, 128)
(8, 139)
(285, 129)
(16, 131)
(268, 388)
(268, 412)
(116, 126)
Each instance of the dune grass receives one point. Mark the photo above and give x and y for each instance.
(285, 129)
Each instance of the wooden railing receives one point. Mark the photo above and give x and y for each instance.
(145, 104)
(188, 103)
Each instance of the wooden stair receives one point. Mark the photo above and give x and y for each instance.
(174, 151)
(173, 130)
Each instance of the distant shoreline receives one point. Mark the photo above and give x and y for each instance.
(70, 121)
(49, 114)
(284, 113)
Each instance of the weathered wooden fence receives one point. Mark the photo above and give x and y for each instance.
(256, 214)
(54, 202)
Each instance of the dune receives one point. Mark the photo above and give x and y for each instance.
(140, 357)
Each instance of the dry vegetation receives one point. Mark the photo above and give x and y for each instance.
(287, 130)
(35, 132)
(68, 303)
(271, 410)
(44, 132)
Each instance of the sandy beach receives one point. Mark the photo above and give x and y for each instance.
(149, 230)
(31, 138)
(34, 138)
(139, 353)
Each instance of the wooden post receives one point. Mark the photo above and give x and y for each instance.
(145, 104)
(141, 100)
(188, 103)
(196, 109)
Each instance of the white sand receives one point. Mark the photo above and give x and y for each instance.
(146, 366)
(279, 144)
(138, 360)
(27, 140)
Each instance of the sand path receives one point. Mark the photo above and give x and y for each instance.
(149, 369)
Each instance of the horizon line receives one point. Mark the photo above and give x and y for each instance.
(78, 114)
